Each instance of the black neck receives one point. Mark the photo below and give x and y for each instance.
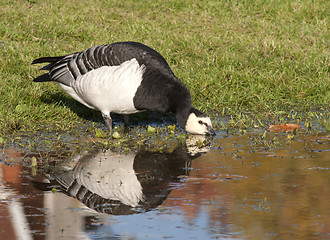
(182, 117)
(163, 93)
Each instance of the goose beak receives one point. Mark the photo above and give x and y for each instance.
(210, 131)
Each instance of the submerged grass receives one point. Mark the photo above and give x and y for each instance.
(239, 58)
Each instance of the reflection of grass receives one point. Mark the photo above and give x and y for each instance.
(233, 55)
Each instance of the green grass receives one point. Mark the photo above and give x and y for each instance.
(235, 56)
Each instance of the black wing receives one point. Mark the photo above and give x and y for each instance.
(65, 69)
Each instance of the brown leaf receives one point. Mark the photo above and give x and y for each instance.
(284, 128)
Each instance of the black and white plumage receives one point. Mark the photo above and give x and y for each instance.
(124, 78)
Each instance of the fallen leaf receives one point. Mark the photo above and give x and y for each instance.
(284, 128)
(151, 129)
(116, 135)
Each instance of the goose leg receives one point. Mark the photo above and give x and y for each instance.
(108, 121)
(126, 122)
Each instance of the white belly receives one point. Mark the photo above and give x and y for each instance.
(108, 88)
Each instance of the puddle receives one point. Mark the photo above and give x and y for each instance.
(249, 186)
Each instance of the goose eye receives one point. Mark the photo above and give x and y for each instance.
(200, 122)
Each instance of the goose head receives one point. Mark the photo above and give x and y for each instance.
(199, 123)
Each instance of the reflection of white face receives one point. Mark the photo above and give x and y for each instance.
(199, 125)
(197, 144)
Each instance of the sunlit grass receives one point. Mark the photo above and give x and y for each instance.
(235, 56)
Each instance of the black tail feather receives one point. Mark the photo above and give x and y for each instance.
(47, 60)
(42, 78)
(51, 60)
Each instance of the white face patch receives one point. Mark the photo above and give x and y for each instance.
(198, 125)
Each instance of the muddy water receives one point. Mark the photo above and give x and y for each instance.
(250, 186)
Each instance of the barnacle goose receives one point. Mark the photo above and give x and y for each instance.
(124, 78)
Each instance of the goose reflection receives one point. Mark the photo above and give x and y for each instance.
(119, 183)
(103, 175)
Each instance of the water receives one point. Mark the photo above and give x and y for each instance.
(235, 187)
